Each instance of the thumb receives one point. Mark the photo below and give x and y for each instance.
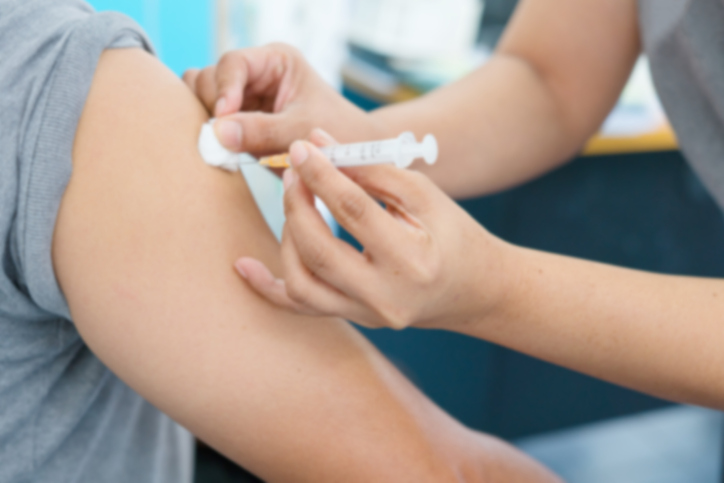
(258, 133)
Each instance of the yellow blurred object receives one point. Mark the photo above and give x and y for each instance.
(662, 139)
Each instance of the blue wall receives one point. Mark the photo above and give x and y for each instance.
(182, 31)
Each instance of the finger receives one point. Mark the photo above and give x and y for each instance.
(307, 290)
(321, 138)
(231, 77)
(402, 190)
(258, 133)
(314, 294)
(189, 78)
(271, 69)
(206, 87)
(263, 282)
(255, 72)
(321, 253)
(351, 206)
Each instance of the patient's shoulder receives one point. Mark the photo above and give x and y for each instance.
(144, 250)
(137, 143)
(50, 50)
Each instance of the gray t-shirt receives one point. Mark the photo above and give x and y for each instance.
(684, 40)
(64, 417)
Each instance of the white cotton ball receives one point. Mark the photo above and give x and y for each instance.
(214, 153)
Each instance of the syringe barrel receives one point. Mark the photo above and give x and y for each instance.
(364, 154)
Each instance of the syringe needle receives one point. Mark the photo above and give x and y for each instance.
(278, 161)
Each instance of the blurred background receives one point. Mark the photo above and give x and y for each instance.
(628, 199)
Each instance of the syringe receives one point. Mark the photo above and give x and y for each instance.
(401, 152)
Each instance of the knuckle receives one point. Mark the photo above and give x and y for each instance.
(205, 84)
(230, 63)
(297, 289)
(423, 272)
(289, 206)
(414, 180)
(190, 75)
(288, 55)
(353, 206)
(299, 123)
(416, 177)
(418, 186)
(206, 76)
(231, 58)
(315, 258)
(267, 133)
(271, 133)
(283, 48)
(396, 317)
(316, 174)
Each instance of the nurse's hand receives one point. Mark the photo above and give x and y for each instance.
(267, 97)
(426, 262)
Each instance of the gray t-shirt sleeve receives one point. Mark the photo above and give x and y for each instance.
(684, 41)
(45, 153)
(63, 415)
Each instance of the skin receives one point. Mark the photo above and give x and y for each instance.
(143, 250)
(557, 72)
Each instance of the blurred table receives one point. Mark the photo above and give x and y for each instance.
(661, 139)
(674, 445)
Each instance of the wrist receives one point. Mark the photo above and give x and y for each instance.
(509, 272)
(490, 290)
(357, 125)
(382, 125)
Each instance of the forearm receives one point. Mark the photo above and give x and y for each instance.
(655, 333)
(556, 74)
(496, 128)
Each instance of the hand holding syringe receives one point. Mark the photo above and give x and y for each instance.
(401, 152)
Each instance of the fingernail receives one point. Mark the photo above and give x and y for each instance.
(325, 136)
(241, 270)
(229, 133)
(288, 178)
(220, 105)
(298, 153)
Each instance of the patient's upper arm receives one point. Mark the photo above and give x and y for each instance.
(143, 249)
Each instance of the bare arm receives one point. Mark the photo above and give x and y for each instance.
(658, 334)
(143, 250)
(556, 74)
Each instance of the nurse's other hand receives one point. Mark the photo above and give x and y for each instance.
(267, 97)
(426, 262)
